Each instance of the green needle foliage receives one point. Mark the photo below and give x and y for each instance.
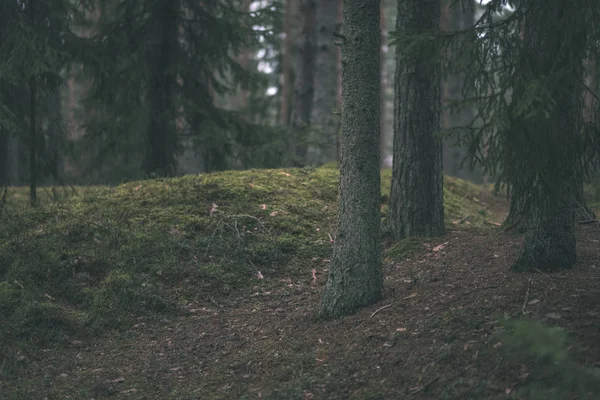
(158, 69)
(36, 46)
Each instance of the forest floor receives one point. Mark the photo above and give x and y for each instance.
(436, 334)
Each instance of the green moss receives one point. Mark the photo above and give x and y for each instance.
(403, 248)
(107, 254)
(592, 194)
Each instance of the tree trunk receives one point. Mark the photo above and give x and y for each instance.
(456, 17)
(33, 143)
(240, 99)
(15, 150)
(383, 137)
(162, 138)
(554, 174)
(52, 159)
(324, 120)
(520, 215)
(286, 62)
(355, 274)
(4, 165)
(416, 200)
(304, 82)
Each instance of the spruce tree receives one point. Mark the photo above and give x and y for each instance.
(36, 44)
(355, 278)
(159, 69)
(526, 80)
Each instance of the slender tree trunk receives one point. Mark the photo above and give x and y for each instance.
(304, 82)
(324, 120)
(160, 157)
(55, 132)
(456, 17)
(416, 200)
(240, 99)
(383, 137)
(14, 160)
(4, 165)
(286, 61)
(33, 142)
(355, 273)
(554, 174)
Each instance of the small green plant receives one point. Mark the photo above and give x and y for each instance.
(553, 372)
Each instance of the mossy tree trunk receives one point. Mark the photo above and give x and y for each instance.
(549, 144)
(324, 120)
(305, 79)
(355, 273)
(416, 200)
(160, 158)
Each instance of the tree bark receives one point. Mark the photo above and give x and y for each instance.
(286, 64)
(456, 17)
(4, 165)
(324, 120)
(162, 144)
(554, 174)
(33, 142)
(304, 82)
(383, 137)
(54, 133)
(355, 274)
(520, 215)
(416, 200)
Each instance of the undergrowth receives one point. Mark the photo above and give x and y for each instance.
(93, 258)
(549, 369)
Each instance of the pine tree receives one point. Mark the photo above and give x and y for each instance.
(36, 44)
(416, 200)
(160, 69)
(355, 274)
(550, 66)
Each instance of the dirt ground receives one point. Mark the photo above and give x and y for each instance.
(430, 337)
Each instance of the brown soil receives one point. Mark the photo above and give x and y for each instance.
(430, 337)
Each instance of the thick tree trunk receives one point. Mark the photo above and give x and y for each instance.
(324, 120)
(160, 158)
(355, 273)
(554, 174)
(416, 200)
(520, 216)
(304, 82)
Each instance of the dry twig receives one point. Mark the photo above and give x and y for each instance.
(526, 297)
(379, 309)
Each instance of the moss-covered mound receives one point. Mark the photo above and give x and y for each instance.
(101, 256)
